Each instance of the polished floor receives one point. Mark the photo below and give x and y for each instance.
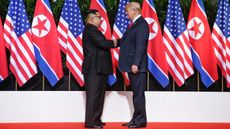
(153, 125)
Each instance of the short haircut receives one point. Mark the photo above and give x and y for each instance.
(92, 11)
(134, 6)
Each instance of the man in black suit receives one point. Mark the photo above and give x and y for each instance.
(96, 67)
(133, 59)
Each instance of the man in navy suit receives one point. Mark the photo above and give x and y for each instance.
(133, 59)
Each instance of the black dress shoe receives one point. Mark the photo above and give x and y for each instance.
(127, 124)
(101, 123)
(94, 126)
(137, 126)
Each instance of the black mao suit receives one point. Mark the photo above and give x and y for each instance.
(133, 51)
(96, 67)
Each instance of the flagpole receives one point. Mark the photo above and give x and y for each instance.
(173, 85)
(148, 81)
(198, 82)
(69, 81)
(43, 82)
(16, 86)
(124, 87)
(222, 83)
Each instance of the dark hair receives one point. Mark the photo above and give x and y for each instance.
(92, 11)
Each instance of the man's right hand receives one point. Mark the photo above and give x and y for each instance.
(115, 42)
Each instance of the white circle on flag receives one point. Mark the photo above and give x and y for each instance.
(153, 27)
(195, 28)
(40, 26)
(103, 25)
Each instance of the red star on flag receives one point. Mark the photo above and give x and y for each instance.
(196, 27)
(151, 27)
(41, 25)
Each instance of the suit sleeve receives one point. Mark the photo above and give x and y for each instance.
(99, 40)
(118, 42)
(141, 43)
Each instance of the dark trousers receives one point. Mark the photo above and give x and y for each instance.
(95, 85)
(138, 85)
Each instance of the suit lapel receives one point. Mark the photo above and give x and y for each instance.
(132, 26)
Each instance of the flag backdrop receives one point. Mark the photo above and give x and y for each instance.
(176, 41)
(45, 40)
(17, 35)
(202, 47)
(70, 29)
(3, 61)
(105, 29)
(221, 38)
(120, 25)
(156, 53)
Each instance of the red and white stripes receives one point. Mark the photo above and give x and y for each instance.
(221, 48)
(178, 56)
(22, 58)
(73, 48)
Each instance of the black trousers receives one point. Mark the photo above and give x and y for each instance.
(95, 85)
(138, 85)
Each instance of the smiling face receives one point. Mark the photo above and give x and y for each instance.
(130, 13)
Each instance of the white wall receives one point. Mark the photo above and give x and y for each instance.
(69, 106)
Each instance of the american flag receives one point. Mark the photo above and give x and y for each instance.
(157, 64)
(221, 38)
(45, 40)
(202, 48)
(70, 30)
(17, 35)
(3, 63)
(176, 41)
(105, 29)
(119, 27)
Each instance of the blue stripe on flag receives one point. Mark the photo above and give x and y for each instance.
(45, 68)
(151, 3)
(200, 2)
(102, 3)
(204, 76)
(161, 78)
(111, 80)
(47, 4)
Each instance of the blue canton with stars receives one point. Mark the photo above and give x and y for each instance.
(223, 17)
(175, 20)
(17, 13)
(72, 16)
(121, 20)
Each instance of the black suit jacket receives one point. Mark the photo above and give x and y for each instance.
(133, 46)
(96, 48)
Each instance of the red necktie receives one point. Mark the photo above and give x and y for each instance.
(131, 23)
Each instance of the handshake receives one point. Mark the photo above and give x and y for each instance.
(115, 42)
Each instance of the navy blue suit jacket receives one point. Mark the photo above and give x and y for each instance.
(133, 47)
